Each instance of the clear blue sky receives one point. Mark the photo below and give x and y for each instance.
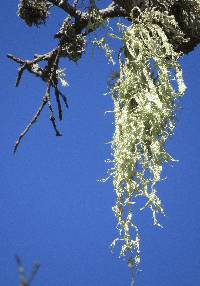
(52, 209)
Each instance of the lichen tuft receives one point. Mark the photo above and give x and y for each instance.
(33, 12)
(145, 99)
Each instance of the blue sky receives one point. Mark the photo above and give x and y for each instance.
(53, 210)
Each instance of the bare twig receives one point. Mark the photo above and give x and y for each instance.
(21, 271)
(79, 23)
(20, 72)
(30, 66)
(47, 74)
(57, 95)
(64, 5)
(28, 127)
(53, 78)
(52, 117)
(23, 281)
(64, 98)
(34, 271)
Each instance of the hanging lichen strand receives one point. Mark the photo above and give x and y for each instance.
(144, 109)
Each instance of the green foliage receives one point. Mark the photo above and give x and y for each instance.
(144, 109)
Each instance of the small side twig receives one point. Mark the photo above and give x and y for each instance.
(30, 66)
(20, 72)
(23, 281)
(49, 75)
(52, 117)
(28, 127)
(34, 271)
(57, 95)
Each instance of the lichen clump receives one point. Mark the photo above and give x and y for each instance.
(72, 43)
(190, 17)
(145, 98)
(33, 12)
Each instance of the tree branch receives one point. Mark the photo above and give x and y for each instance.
(72, 42)
(23, 281)
(65, 6)
(49, 75)
(113, 11)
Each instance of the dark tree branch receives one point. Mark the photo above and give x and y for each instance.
(49, 75)
(65, 6)
(71, 37)
(28, 127)
(57, 95)
(31, 66)
(47, 96)
(113, 11)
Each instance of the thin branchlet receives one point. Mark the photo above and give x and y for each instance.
(48, 74)
(81, 27)
(23, 281)
(57, 95)
(53, 70)
(28, 127)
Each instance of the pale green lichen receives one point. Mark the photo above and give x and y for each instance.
(102, 44)
(145, 98)
(62, 77)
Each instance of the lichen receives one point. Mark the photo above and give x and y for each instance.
(33, 12)
(72, 44)
(95, 18)
(145, 99)
(190, 17)
(102, 44)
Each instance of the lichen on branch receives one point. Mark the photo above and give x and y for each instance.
(145, 98)
(34, 12)
(145, 89)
